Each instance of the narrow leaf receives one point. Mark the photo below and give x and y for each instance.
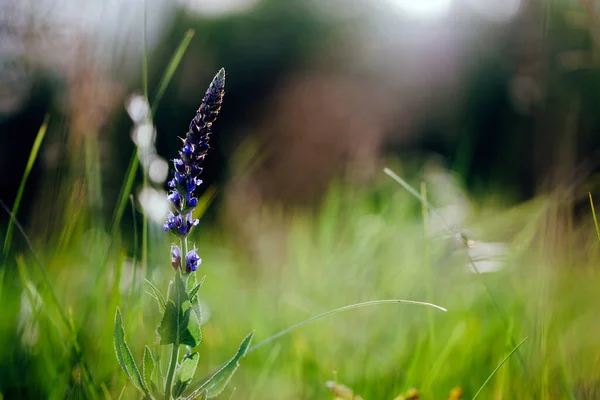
(217, 383)
(124, 355)
(158, 296)
(195, 289)
(337, 310)
(186, 372)
(594, 216)
(125, 189)
(32, 157)
(171, 68)
(498, 367)
(148, 367)
(195, 300)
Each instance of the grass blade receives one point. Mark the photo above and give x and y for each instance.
(455, 231)
(594, 216)
(32, 157)
(126, 189)
(145, 53)
(171, 68)
(61, 312)
(498, 367)
(337, 310)
(134, 260)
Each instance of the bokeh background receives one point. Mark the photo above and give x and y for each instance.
(490, 108)
(504, 93)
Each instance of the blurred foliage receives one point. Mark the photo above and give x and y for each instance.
(359, 246)
(359, 242)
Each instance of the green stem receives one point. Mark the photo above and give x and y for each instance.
(184, 262)
(184, 254)
(175, 350)
(172, 367)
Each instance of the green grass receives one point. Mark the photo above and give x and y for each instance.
(361, 246)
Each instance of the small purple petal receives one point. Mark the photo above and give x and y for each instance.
(192, 261)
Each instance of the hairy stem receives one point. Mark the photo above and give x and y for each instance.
(171, 371)
(175, 350)
(184, 254)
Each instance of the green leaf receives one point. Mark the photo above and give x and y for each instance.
(124, 355)
(190, 333)
(177, 292)
(196, 300)
(147, 367)
(180, 322)
(195, 289)
(185, 374)
(217, 383)
(158, 296)
(169, 324)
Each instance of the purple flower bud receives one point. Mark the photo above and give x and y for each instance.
(192, 222)
(190, 185)
(187, 150)
(192, 202)
(179, 165)
(176, 257)
(174, 198)
(192, 261)
(183, 229)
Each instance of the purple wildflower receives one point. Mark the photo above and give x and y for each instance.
(180, 225)
(187, 168)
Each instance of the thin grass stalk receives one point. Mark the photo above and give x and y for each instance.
(453, 230)
(32, 157)
(594, 216)
(498, 367)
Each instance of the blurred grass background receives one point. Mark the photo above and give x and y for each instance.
(488, 112)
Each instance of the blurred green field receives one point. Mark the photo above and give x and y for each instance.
(360, 245)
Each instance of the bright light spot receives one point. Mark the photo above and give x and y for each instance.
(158, 170)
(31, 304)
(422, 8)
(154, 203)
(138, 109)
(143, 135)
(487, 257)
(495, 10)
(218, 7)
